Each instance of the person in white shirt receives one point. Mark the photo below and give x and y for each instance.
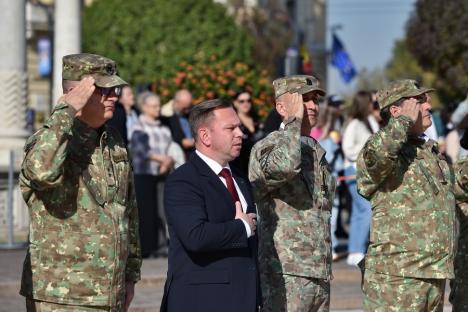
(361, 126)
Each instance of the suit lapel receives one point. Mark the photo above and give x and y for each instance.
(213, 180)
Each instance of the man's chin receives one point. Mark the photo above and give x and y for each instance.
(108, 115)
(427, 124)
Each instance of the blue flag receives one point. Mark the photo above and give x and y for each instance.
(341, 60)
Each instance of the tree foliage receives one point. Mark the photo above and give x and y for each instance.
(216, 78)
(437, 35)
(404, 65)
(269, 25)
(150, 38)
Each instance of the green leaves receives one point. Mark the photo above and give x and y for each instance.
(149, 38)
(437, 35)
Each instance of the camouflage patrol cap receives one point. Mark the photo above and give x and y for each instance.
(102, 69)
(399, 89)
(298, 83)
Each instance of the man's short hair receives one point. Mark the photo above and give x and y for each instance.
(143, 98)
(68, 84)
(385, 112)
(201, 113)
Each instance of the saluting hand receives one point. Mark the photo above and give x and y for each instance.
(250, 218)
(410, 108)
(79, 95)
(295, 106)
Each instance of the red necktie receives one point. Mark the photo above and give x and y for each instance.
(226, 174)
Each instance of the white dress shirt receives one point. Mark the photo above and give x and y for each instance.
(216, 167)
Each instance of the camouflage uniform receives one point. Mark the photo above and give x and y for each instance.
(459, 286)
(78, 185)
(414, 227)
(294, 190)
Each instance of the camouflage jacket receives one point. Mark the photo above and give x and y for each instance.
(461, 183)
(78, 185)
(458, 286)
(410, 186)
(293, 188)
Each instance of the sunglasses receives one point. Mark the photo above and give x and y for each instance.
(107, 91)
(421, 98)
(311, 97)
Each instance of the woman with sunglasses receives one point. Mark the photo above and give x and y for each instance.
(252, 129)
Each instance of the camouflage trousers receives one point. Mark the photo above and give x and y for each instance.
(395, 293)
(291, 293)
(43, 306)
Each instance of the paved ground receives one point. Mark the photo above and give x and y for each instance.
(345, 288)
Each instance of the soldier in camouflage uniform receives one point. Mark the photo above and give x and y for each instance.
(294, 190)
(76, 178)
(410, 186)
(459, 286)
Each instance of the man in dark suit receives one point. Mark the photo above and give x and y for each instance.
(179, 124)
(212, 221)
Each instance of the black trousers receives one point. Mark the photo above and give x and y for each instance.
(152, 223)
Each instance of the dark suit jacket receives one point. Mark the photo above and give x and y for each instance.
(212, 264)
(177, 133)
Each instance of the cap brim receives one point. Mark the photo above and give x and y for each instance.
(307, 89)
(109, 81)
(418, 92)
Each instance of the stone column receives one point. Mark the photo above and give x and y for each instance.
(13, 96)
(13, 79)
(67, 37)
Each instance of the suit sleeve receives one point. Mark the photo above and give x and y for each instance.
(184, 203)
(46, 150)
(133, 267)
(276, 159)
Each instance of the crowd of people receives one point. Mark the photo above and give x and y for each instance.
(246, 212)
(159, 140)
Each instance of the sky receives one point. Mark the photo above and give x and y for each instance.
(368, 31)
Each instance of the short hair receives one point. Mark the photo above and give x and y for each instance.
(67, 84)
(201, 113)
(179, 93)
(385, 112)
(144, 96)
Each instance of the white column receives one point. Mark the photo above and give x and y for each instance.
(67, 37)
(13, 79)
(13, 96)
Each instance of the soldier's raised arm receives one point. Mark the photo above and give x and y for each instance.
(276, 159)
(46, 150)
(461, 179)
(379, 157)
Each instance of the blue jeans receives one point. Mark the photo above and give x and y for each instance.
(361, 216)
(334, 221)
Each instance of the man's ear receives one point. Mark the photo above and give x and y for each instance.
(280, 108)
(204, 136)
(395, 111)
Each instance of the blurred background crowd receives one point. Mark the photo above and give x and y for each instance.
(178, 55)
(159, 140)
